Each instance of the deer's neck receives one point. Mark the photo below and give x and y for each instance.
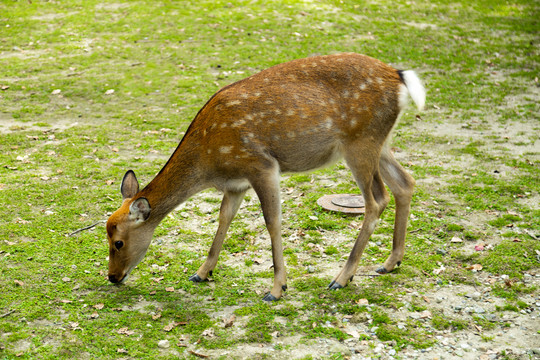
(178, 180)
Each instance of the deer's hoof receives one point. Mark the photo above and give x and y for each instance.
(196, 278)
(382, 270)
(334, 285)
(269, 298)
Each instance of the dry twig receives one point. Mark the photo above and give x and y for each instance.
(87, 227)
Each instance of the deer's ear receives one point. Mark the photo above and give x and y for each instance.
(139, 210)
(130, 185)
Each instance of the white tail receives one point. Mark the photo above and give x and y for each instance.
(292, 117)
(415, 87)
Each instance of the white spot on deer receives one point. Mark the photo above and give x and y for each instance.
(303, 115)
(257, 94)
(353, 122)
(209, 151)
(328, 123)
(291, 134)
(314, 64)
(292, 77)
(363, 87)
(223, 125)
(356, 95)
(277, 111)
(234, 102)
(345, 94)
(290, 112)
(226, 149)
(244, 96)
(238, 123)
(268, 102)
(379, 81)
(266, 80)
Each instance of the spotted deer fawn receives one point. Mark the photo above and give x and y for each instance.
(293, 117)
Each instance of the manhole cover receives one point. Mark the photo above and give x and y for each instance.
(345, 203)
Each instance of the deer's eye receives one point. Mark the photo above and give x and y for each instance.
(119, 244)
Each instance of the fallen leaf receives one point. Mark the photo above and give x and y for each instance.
(353, 333)
(475, 267)
(109, 92)
(125, 331)
(18, 282)
(439, 270)
(425, 314)
(99, 306)
(197, 354)
(94, 315)
(155, 317)
(169, 327)
(363, 302)
(209, 333)
(56, 92)
(230, 321)
(169, 289)
(122, 351)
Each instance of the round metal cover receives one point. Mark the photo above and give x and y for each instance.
(345, 203)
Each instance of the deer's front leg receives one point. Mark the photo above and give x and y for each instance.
(229, 207)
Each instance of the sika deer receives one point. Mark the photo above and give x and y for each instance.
(292, 117)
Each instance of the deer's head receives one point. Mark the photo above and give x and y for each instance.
(128, 231)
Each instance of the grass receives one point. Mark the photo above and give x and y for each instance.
(91, 89)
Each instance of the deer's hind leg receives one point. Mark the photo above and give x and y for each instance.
(366, 173)
(402, 185)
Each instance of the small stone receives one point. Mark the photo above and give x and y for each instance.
(164, 344)
(441, 252)
(456, 239)
(479, 310)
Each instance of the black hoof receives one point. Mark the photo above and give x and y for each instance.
(269, 298)
(334, 286)
(196, 278)
(284, 287)
(382, 270)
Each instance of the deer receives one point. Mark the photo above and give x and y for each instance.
(293, 117)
